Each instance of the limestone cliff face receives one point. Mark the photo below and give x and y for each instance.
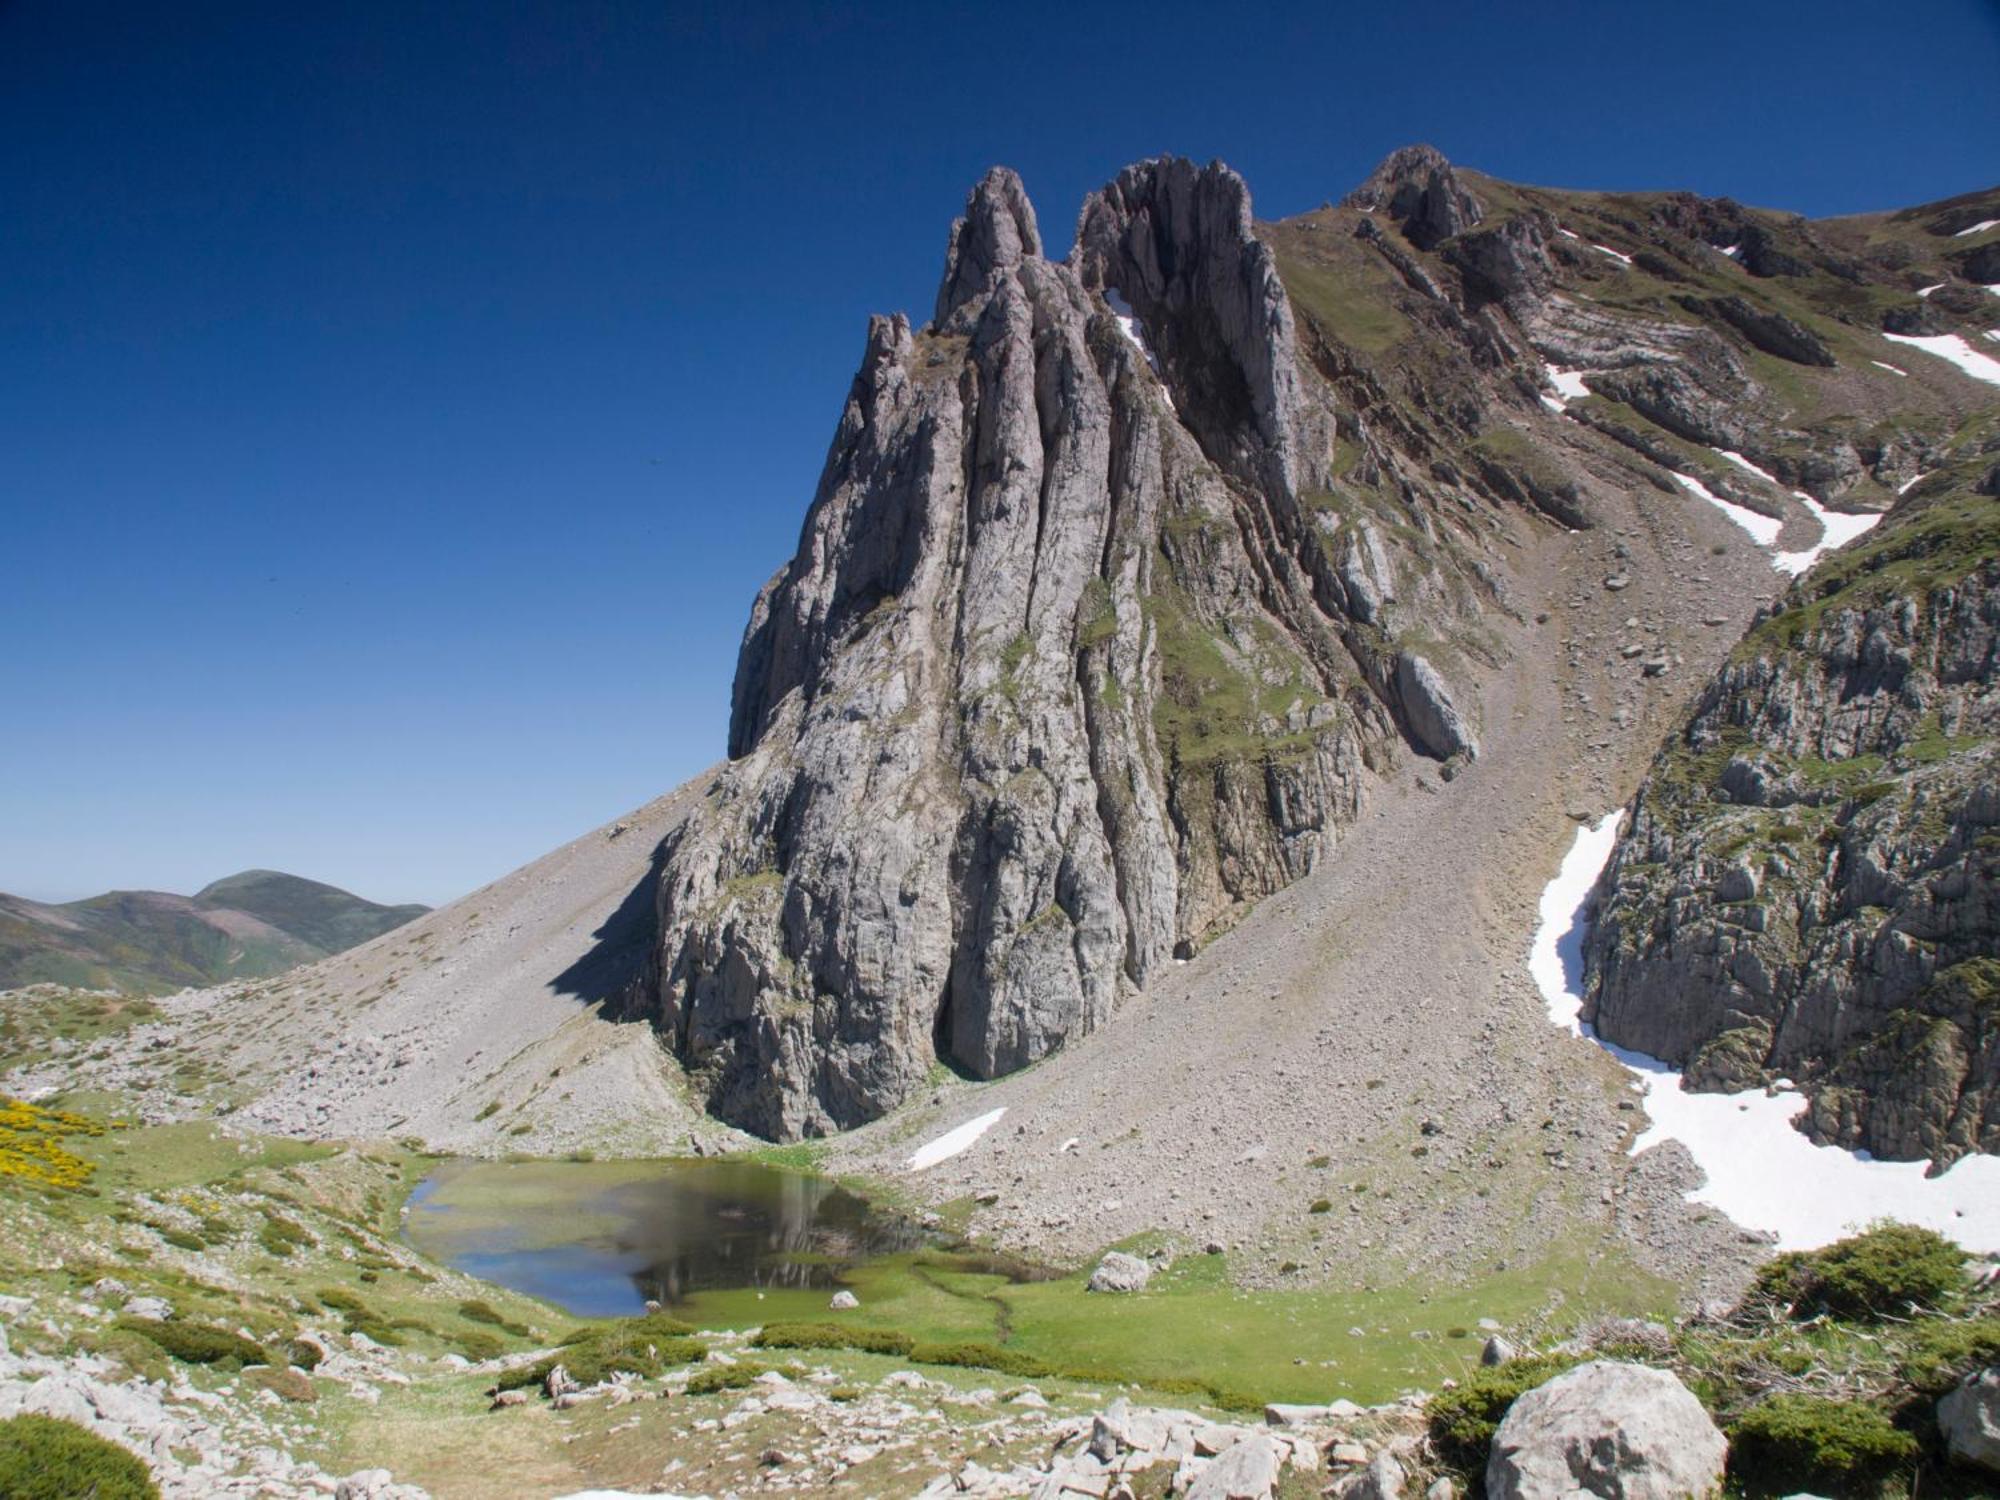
(1809, 886)
(1062, 671)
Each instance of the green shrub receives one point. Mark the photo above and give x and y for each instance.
(1785, 1442)
(305, 1356)
(1321, 1206)
(982, 1357)
(832, 1336)
(194, 1344)
(484, 1312)
(710, 1379)
(280, 1235)
(339, 1299)
(477, 1346)
(635, 1346)
(1940, 1353)
(1462, 1422)
(182, 1239)
(1889, 1269)
(45, 1458)
(845, 1393)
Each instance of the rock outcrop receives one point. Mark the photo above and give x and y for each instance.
(1420, 191)
(1809, 884)
(1068, 666)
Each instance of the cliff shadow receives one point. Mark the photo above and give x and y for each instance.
(614, 971)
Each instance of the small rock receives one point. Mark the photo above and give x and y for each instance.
(843, 1300)
(1617, 583)
(1497, 1351)
(156, 1309)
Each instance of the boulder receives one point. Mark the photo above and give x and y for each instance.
(1604, 1429)
(1497, 1351)
(155, 1309)
(1247, 1470)
(843, 1300)
(1382, 1479)
(1119, 1272)
(1435, 722)
(1969, 1418)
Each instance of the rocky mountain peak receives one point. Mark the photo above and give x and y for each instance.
(995, 234)
(1175, 241)
(1418, 189)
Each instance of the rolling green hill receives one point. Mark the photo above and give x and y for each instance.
(244, 926)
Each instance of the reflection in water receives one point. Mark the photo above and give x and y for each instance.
(601, 1239)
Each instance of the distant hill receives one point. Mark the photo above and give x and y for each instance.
(243, 926)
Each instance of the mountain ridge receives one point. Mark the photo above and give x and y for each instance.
(252, 924)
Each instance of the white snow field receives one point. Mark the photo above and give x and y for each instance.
(1759, 1171)
(1890, 368)
(1761, 527)
(1617, 255)
(1980, 228)
(954, 1140)
(1836, 528)
(1949, 346)
(1569, 385)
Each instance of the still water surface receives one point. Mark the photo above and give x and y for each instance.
(600, 1238)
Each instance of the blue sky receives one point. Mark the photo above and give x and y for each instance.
(403, 401)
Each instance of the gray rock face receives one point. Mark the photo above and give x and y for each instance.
(1435, 722)
(1606, 1429)
(1246, 1470)
(1969, 1418)
(1807, 884)
(1064, 668)
(1119, 1272)
(1417, 188)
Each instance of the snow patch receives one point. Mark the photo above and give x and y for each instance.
(1761, 527)
(1980, 228)
(1743, 463)
(1129, 325)
(1925, 291)
(954, 1140)
(1732, 251)
(1836, 529)
(1949, 346)
(1909, 484)
(1618, 255)
(1569, 382)
(1892, 369)
(1568, 234)
(1758, 1170)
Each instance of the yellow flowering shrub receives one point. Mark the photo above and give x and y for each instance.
(31, 1148)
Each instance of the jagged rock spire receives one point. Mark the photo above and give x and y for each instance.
(1417, 188)
(995, 234)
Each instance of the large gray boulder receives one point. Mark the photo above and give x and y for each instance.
(1246, 1470)
(1969, 1418)
(1606, 1431)
(1119, 1272)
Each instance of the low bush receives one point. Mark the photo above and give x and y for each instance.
(1890, 1269)
(632, 1346)
(1789, 1441)
(303, 1355)
(194, 1344)
(710, 1379)
(477, 1346)
(982, 1357)
(280, 1235)
(832, 1336)
(45, 1458)
(1940, 1353)
(484, 1312)
(1462, 1422)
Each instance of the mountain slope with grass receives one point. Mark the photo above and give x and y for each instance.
(245, 926)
